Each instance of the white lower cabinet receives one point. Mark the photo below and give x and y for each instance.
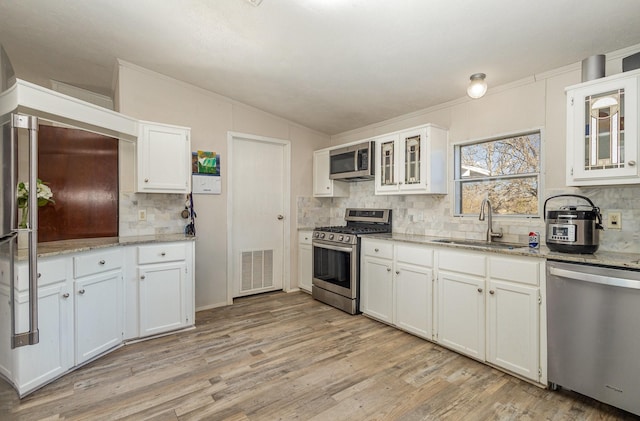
(414, 289)
(29, 367)
(53, 355)
(490, 309)
(376, 286)
(98, 303)
(397, 284)
(488, 306)
(305, 260)
(81, 308)
(164, 293)
(162, 298)
(513, 315)
(461, 318)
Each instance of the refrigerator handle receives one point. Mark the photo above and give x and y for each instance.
(31, 337)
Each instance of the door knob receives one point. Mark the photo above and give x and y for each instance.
(280, 217)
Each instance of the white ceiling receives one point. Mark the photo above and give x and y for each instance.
(331, 65)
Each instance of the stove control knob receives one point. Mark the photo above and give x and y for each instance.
(347, 238)
(330, 236)
(316, 234)
(340, 237)
(322, 235)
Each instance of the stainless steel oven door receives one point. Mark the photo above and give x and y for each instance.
(335, 268)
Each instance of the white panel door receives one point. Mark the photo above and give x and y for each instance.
(258, 175)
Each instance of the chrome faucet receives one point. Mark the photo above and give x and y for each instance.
(490, 234)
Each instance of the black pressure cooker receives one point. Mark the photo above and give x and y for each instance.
(573, 228)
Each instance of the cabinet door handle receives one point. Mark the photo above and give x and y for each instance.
(376, 250)
(479, 289)
(388, 269)
(102, 262)
(65, 295)
(491, 292)
(632, 163)
(143, 277)
(163, 254)
(39, 275)
(146, 180)
(397, 272)
(328, 187)
(81, 291)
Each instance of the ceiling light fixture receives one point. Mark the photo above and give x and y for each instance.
(478, 86)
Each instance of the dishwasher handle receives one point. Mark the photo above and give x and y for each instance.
(596, 279)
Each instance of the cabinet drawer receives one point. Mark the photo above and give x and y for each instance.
(414, 255)
(49, 272)
(463, 262)
(160, 253)
(526, 271)
(304, 237)
(98, 262)
(383, 249)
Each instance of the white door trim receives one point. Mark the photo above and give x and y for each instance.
(286, 281)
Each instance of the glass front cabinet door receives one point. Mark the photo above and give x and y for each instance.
(411, 161)
(602, 131)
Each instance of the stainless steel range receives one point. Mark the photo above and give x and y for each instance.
(336, 257)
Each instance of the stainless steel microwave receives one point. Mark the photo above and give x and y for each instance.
(352, 163)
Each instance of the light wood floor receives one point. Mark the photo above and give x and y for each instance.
(285, 356)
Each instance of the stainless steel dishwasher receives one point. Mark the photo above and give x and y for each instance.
(593, 324)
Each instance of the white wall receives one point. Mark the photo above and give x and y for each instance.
(150, 96)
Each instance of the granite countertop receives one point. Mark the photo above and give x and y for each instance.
(608, 258)
(55, 248)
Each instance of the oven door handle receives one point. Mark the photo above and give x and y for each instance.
(331, 247)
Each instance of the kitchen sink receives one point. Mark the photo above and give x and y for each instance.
(479, 243)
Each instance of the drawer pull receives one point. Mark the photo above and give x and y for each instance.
(163, 254)
(143, 277)
(81, 291)
(65, 295)
(102, 262)
(376, 250)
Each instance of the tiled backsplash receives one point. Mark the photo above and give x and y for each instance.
(162, 214)
(432, 215)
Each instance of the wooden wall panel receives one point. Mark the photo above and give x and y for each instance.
(82, 170)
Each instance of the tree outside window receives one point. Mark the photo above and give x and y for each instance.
(505, 170)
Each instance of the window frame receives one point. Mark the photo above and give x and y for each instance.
(458, 181)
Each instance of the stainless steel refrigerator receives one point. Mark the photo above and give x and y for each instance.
(12, 123)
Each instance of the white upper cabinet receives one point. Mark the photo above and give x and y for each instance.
(163, 159)
(412, 161)
(602, 131)
(323, 186)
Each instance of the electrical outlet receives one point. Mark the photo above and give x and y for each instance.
(614, 220)
(142, 215)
